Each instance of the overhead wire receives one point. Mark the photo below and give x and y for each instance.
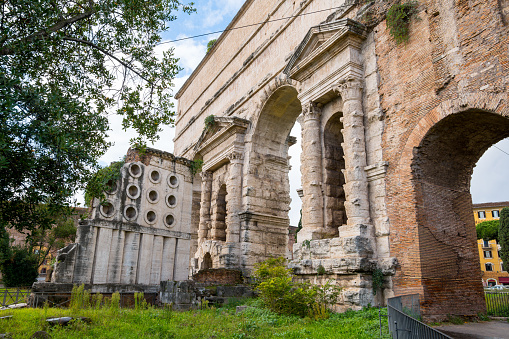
(250, 25)
(501, 150)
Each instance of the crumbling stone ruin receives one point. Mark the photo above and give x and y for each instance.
(141, 235)
(390, 136)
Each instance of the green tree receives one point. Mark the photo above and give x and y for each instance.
(20, 269)
(503, 235)
(487, 230)
(44, 241)
(64, 67)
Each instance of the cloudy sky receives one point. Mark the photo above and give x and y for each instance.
(489, 182)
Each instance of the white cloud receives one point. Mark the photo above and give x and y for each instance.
(215, 12)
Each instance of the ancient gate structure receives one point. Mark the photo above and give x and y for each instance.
(390, 136)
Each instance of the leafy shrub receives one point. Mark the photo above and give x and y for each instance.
(282, 295)
(398, 20)
(20, 267)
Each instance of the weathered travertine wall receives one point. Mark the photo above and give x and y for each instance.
(280, 71)
(390, 135)
(141, 234)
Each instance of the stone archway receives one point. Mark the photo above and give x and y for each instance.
(433, 233)
(442, 168)
(266, 187)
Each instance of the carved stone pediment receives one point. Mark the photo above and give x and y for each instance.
(222, 139)
(222, 128)
(321, 44)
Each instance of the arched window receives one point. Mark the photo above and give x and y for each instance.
(207, 262)
(219, 222)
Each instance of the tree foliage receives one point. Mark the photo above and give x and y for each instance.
(487, 229)
(503, 235)
(64, 66)
(20, 269)
(42, 242)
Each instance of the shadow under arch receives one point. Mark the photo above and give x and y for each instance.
(442, 167)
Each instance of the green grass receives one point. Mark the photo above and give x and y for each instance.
(211, 323)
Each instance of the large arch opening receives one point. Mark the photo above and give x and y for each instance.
(442, 168)
(267, 182)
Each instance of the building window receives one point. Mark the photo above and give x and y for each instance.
(501, 267)
(43, 270)
(487, 254)
(481, 214)
(495, 214)
(489, 267)
(485, 243)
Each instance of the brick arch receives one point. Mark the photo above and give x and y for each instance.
(432, 226)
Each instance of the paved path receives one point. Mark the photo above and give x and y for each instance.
(482, 330)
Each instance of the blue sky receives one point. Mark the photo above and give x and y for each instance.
(489, 183)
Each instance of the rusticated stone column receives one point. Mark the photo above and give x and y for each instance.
(206, 192)
(354, 146)
(234, 205)
(311, 169)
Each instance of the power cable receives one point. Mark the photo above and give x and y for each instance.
(250, 25)
(501, 150)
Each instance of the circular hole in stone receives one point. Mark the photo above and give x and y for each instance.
(172, 201)
(107, 209)
(155, 176)
(169, 220)
(111, 186)
(133, 191)
(135, 170)
(153, 195)
(173, 181)
(130, 212)
(151, 216)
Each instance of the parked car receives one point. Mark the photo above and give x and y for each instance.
(498, 287)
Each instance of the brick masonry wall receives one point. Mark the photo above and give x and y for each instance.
(436, 92)
(219, 276)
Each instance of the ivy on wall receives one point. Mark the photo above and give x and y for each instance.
(103, 180)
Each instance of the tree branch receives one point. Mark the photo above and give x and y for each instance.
(8, 50)
(102, 50)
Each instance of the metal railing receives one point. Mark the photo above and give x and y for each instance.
(497, 303)
(10, 297)
(403, 325)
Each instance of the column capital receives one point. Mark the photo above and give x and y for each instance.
(349, 89)
(311, 111)
(235, 157)
(206, 175)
